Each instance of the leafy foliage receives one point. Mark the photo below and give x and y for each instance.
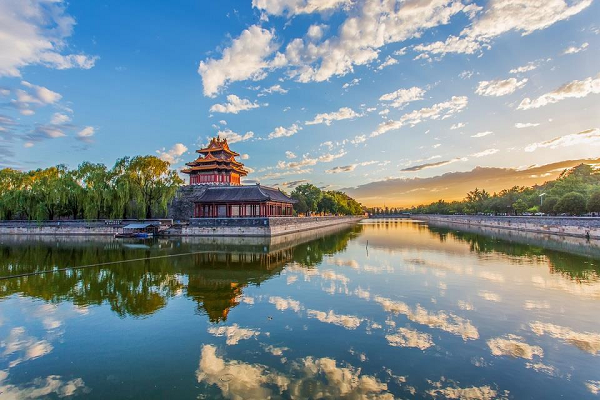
(574, 192)
(312, 199)
(137, 187)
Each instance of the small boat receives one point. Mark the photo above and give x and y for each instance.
(138, 231)
(123, 235)
(141, 235)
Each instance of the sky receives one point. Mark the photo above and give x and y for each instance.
(394, 102)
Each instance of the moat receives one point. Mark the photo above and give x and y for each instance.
(382, 309)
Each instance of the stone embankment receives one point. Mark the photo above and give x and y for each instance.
(99, 227)
(272, 226)
(565, 226)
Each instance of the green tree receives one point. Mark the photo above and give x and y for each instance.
(593, 203)
(152, 182)
(571, 203)
(310, 194)
(328, 204)
(520, 206)
(548, 204)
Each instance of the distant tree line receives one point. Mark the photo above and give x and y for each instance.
(311, 199)
(575, 192)
(138, 187)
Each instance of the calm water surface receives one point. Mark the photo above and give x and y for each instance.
(419, 312)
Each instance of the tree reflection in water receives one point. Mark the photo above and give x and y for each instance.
(214, 277)
(570, 257)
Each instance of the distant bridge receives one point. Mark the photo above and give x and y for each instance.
(401, 215)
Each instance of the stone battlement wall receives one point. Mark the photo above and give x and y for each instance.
(271, 226)
(567, 226)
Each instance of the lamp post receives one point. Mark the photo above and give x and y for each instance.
(542, 199)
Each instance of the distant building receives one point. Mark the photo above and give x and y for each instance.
(215, 189)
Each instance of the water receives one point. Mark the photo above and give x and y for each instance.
(421, 311)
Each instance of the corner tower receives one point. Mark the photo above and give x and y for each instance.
(216, 165)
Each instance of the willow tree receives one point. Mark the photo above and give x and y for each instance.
(95, 180)
(120, 195)
(152, 183)
(47, 188)
(10, 184)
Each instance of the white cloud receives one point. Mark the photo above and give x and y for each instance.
(35, 32)
(347, 321)
(308, 161)
(389, 61)
(370, 26)
(283, 304)
(246, 58)
(574, 89)
(586, 341)
(359, 139)
(481, 134)
(234, 105)
(410, 338)
(351, 167)
(244, 156)
(458, 126)
(41, 132)
(315, 32)
(59, 119)
(420, 167)
(587, 137)
(514, 346)
(327, 118)
(521, 125)
(353, 82)
(280, 131)
(401, 97)
(33, 95)
(87, 133)
(575, 49)
(452, 44)
(489, 296)
(293, 7)
(530, 66)
(484, 153)
(273, 89)
(233, 137)
(502, 16)
(330, 157)
(434, 319)
(290, 155)
(499, 87)
(173, 155)
(400, 52)
(38, 94)
(233, 333)
(466, 74)
(438, 111)
(345, 168)
(240, 380)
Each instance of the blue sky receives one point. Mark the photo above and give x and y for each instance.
(336, 92)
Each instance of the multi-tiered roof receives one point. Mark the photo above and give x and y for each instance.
(216, 159)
